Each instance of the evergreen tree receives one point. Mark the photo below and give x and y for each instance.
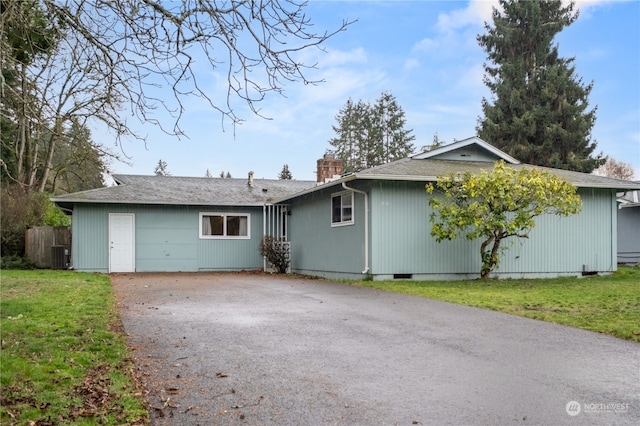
(349, 135)
(162, 169)
(78, 164)
(390, 140)
(368, 136)
(539, 109)
(437, 143)
(285, 174)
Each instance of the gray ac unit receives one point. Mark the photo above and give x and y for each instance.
(60, 257)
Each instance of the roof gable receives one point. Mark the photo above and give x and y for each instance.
(470, 149)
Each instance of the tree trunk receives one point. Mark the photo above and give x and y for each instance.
(57, 129)
(489, 259)
(22, 130)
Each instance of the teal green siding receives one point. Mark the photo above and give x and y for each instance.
(166, 239)
(90, 238)
(629, 235)
(317, 248)
(402, 243)
(225, 255)
(468, 153)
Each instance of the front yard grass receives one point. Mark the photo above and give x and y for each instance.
(605, 304)
(63, 359)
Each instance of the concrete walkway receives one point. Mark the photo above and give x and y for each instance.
(254, 349)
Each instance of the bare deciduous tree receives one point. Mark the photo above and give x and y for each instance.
(92, 60)
(615, 169)
(154, 50)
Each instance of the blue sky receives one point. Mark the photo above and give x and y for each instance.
(425, 53)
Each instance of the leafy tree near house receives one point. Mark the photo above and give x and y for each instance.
(285, 174)
(370, 135)
(539, 110)
(495, 205)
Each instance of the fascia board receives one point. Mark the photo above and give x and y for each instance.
(467, 142)
(150, 203)
(347, 178)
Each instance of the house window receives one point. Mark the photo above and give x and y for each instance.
(342, 209)
(225, 225)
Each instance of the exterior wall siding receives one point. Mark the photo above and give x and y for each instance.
(629, 235)
(166, 239)
(402, 243)
(230, 254)
(468, 153)
(569, 245)
(317, 248)
(90, 238)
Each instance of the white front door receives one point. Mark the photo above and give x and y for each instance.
(121, 242)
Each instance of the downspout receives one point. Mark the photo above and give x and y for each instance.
(264, 233)
(366, 225)
(614, 231)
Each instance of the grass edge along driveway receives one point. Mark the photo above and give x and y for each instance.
(63, 357)
(604, 304)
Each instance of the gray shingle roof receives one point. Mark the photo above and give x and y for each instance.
(137, 189)
(430, 169)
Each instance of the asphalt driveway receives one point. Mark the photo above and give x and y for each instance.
(256, 349)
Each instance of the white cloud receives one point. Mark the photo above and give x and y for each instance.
(334, 57)
(475, 14)
(411, 64)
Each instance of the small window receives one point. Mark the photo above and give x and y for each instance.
(342, 209)
(224, 225)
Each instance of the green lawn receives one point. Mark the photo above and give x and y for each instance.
(63, 360)
(606, 304)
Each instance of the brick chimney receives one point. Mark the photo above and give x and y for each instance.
(329, 168)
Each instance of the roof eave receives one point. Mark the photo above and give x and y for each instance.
(346, 178)
(58, 201)
(474, 140)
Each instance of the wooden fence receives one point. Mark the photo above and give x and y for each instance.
(48, 246)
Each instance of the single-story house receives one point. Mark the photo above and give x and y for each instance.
(373, 223)
(629, 227)
(166, 223)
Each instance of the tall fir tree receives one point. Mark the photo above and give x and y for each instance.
(539, 109)
(162, 168)
(370, 135)
(285, 173)
(391, 140)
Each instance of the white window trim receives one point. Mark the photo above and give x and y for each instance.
(225, 236)
(353, 202)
